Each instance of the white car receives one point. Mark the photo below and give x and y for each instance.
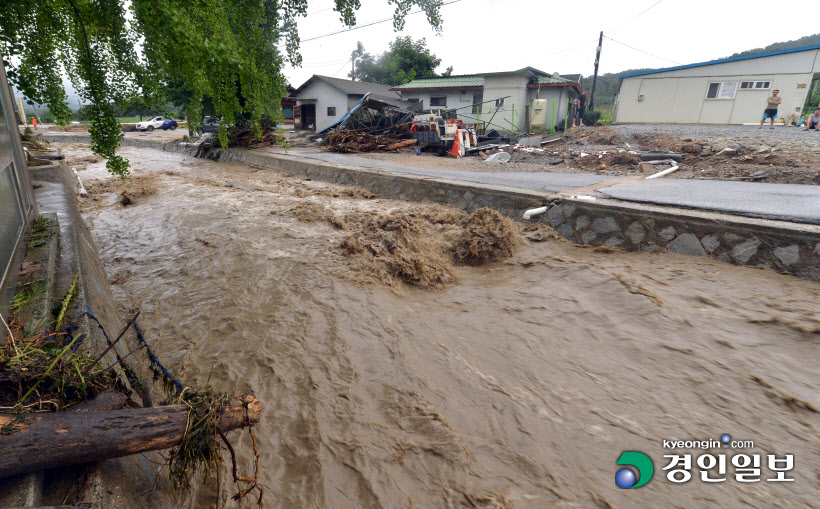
(157, 123)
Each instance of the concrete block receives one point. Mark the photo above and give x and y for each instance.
(745, 251)
(687, 244)
(788, 255)
(555, 216)
(613, 241)
(723, 257)
(581, 223)
(565, 230)
(570, 209)
(667, 233)
(635, 232)
(710, 242)
(606, 225)
(588, 237)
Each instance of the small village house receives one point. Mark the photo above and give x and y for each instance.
(321, 101)
(725, 91)
(514, 101)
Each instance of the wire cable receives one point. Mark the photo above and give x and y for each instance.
(636, 17)
(642, 51)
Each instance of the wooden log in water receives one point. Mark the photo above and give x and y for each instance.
(49, 440)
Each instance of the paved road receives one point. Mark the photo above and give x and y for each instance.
(539, 181)
(786, 202)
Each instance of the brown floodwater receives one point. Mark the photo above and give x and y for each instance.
(519, 384)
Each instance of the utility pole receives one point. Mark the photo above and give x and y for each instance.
(353, 66)
(595, 76)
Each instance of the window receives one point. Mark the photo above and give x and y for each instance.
(477, 100)
(287, 112)
(750, 85)
(499, 103)
(722, 90)
(438, 101)
(331, 111)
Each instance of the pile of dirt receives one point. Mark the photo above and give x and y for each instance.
(605, 161)
(129, 190)
(604, 136)
(488, 236)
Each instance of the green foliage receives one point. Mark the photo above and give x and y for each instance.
(405, 61)
(591, 117)
(191, 51)
(808, 40)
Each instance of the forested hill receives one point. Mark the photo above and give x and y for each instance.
(608, 83)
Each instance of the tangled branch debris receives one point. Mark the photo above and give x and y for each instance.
(352, 142)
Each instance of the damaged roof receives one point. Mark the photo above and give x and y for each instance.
(440, 82)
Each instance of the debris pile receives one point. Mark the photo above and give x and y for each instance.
(352, 142)
(243, 136)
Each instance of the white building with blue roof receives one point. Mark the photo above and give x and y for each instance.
(725, 91)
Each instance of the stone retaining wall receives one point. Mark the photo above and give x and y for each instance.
(782, 246)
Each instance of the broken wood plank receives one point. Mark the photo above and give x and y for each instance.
(49, 440)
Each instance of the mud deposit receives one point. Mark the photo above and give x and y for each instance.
(517, 384)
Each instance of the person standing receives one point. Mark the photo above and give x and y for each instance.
(34, 122)
(580, 109)
(771, 109)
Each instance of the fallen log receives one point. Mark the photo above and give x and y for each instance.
(401, 144)
(49, 440)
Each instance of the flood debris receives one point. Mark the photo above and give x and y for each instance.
(353, 142)
(419, 248)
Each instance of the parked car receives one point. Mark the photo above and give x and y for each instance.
(157, 123)
(210, 125)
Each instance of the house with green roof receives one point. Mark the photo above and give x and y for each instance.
(522, 100)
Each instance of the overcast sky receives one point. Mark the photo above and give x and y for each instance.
(499, 35)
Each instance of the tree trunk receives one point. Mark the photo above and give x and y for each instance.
(401, 144)
(49, 440)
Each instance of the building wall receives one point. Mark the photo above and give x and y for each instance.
(456, 99)
(513, 85)
(557, 98)
(324, 96)
(680, 96)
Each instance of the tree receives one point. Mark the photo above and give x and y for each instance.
(405, 61)
(222, 49)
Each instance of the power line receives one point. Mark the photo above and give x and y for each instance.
(357, 27)
(642, 51)
(340, 68)
(636, 17)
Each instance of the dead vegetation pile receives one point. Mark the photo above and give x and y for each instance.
(129, 190)
(419, 247)
(32, 142)
(487, 237)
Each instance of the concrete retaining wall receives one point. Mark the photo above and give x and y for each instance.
(787, 247)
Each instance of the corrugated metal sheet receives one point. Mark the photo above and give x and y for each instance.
(546, 80)
(443, 82)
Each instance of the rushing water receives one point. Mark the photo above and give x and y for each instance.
(520, 385)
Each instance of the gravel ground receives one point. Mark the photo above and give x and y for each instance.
(712, 132)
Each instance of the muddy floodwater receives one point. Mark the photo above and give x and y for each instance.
(516, 383)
